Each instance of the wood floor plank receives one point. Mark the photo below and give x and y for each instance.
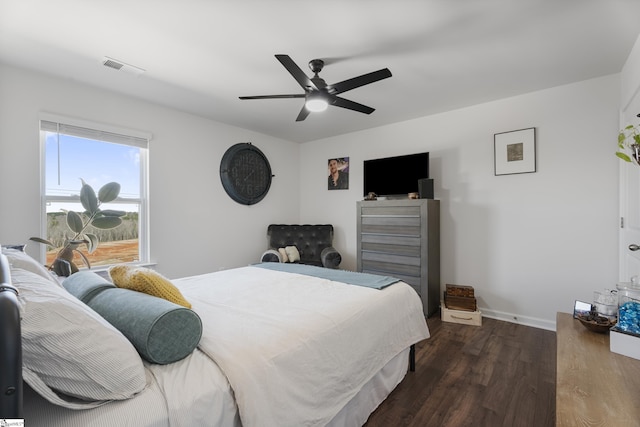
(497, 374)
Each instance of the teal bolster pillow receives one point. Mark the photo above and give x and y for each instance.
(161, 331)
(85, 285)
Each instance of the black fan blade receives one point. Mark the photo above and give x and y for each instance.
(302, 79)
(273, 96)
(350, 105)
(303, 114)
(355, 82)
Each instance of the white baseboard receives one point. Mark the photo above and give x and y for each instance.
(516, 318)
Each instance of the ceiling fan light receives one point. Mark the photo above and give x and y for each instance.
(316, 104)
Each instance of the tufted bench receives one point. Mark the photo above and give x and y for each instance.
(313, 242)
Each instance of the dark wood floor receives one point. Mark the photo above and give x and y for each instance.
(498, 374)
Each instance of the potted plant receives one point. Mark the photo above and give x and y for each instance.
(78, 223)
(629, 139)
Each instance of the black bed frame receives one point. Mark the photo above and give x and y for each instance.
(10, 347)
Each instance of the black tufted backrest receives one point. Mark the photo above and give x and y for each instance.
(309, 239)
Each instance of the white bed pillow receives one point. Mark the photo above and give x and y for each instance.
(283, 254)
(20, 259)
(71, 351)
(292, 253)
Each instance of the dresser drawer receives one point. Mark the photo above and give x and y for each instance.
(390, 240)
(390, 210)
(411, 251)
(391, 259)
(391, 230)
(390, 269)
(399, 221)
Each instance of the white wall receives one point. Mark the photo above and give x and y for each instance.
(195, 226)
(530, 244)
(630, 86)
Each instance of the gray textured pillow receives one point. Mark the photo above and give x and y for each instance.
(271, 255)
(161, 331)
(331, 258)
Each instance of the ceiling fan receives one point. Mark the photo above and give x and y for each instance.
(318, 94)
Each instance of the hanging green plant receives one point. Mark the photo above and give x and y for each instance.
(629, 140)
(78, 223)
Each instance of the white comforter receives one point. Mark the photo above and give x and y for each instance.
(296, 348)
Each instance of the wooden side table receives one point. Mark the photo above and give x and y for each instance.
(594, 386)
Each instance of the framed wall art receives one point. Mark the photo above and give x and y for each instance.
(515, 151)
(338, 169)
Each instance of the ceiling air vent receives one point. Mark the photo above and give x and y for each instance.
(121, 66)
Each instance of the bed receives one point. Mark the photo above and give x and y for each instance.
(279, 346)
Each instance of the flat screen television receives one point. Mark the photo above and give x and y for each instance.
(394, 176)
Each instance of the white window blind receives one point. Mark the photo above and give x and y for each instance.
(97, 134)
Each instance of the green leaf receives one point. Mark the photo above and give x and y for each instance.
(106, 222)
(109, 212)
(109, 192)
(74, 244)
(629, 127)
(39, 240)
(623, 156)
(621, 138)
(88, 198)
(92, 242)
(74, 221)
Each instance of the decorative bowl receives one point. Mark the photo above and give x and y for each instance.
(598, 324)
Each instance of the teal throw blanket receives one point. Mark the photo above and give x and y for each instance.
(350, 277)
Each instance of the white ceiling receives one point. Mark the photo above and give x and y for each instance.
(200, 55)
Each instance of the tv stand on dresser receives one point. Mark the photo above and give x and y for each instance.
(401, 238)
(594, 386)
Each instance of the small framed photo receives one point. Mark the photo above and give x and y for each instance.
(515, 151)
(338, 170)
(581, 308)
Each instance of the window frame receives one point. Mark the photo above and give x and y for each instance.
(115, 134)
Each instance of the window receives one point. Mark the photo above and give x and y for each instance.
(74, 151)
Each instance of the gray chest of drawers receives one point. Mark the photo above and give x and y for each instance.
(401, 238)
